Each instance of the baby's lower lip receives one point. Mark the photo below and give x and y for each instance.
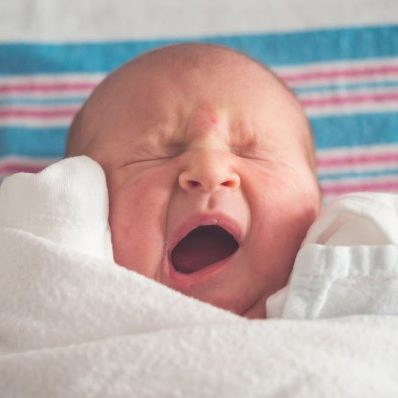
(182, 281)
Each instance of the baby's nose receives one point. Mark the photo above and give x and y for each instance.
(208, 171)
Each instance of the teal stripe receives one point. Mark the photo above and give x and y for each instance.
(41, 101)
(344, 87)
(32, 142)
(271, 48)
(362, 174)
(355, 130)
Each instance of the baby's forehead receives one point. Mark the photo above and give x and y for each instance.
(207, 67)
(238, 84)
(200, 78)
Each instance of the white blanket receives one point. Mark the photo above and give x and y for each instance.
(348, 262)
(75, 324)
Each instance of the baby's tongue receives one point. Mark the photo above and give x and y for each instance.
(203, 246)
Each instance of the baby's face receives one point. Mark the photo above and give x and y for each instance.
(218, 146)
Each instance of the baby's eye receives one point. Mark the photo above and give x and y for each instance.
(158, 153)
(255, 155)
(246, 152)
(154, 158)
(141, 158)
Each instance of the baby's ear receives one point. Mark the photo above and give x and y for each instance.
(357, 219)
(66, 203)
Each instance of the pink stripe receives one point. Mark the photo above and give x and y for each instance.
(391, 186)
(353, 99)
(38, 113)
(357, 159)
(353, 72)
(15, 168)
(44, 87)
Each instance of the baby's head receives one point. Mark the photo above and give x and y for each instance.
(210, 170)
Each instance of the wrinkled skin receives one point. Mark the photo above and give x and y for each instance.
(190, 132)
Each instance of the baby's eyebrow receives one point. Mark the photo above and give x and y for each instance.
(244, 136)
(165, 136)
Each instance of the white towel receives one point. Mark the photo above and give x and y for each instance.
(348, 263)
(66, 203)
(75, 324)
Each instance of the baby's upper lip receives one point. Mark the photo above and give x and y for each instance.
(216, 218)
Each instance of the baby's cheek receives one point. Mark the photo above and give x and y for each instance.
(282, 224)
(135, 218)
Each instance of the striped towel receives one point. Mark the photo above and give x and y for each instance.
(346, 78)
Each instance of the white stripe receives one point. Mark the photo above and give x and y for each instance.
(46, 94)
(41, 108)
(53, 78)
(27, 20)
(357, 151)
(346, 92)
(358, 167)
(61, 122)
(349, 109)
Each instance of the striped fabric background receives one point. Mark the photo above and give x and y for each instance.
(346, 78)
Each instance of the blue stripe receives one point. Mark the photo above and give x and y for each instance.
(344, 87)
(270, 48)
(362, 174)
(42, 101)
(32, 142)
(355, 130)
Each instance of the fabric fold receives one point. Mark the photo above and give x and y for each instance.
(348, 262)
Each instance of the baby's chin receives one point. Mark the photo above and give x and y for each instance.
(257, 311)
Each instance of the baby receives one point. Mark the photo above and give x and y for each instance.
(210, 170)
(208, 164)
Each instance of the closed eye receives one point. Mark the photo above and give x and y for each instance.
(146, 160)
(141, 156)
(250, 154)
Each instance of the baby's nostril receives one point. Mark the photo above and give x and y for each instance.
(193, 183)
(228, 184)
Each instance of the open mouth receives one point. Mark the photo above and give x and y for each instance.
(203, 246)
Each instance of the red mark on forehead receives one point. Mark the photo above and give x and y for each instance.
(203, 120)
